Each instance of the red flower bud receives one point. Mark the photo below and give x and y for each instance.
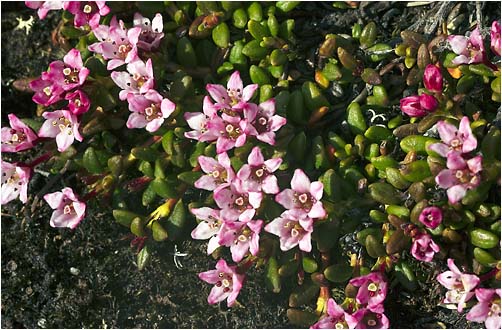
(433, 79)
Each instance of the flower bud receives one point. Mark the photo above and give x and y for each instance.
(495, 37)
(428, 102)
(411, 106)
(433, 79)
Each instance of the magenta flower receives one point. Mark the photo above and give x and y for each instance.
(372, 289)
(44, 6)
(62, 125)
(18, 136)
(241, 237)
(230, 130)
(235, 96)
(237, 203)
(69, 73)
(495, 38)
(334, 319)
(368, 318)
(304, 196)
(469, 50)
(47, 92)
(149, 110)
(433, 79)
(15, 181)
(424, 248)
(117, 44)
(137, 80)
(151, 32)
(459, 285)
(418, 106)
(487, 309)
(257, 173)
(208, 228)
(78, 102)
(293, 228)
(459, 140)
(87, 12)
(266, 122)
(227, 283)
(68, 209)
(198, 122)
(431, 217)
(460, 176)
(219, 173)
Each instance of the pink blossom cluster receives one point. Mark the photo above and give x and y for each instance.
(85, 12)
(423, 247)
(232, 119)
(370, 310)
(471, 49)
(64, 79)
(421, 105)
(460, 285)
(463, 171)
(120, 46)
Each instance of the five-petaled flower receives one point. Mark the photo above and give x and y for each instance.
(241, 237)
(208, 227)
(293, 228)
(219, 173)
(235, 96)
(227, 283)
(368, 318)
(257, 173)
(334, 319)
(459, 140)
(487, 309)
(149, 110)
(87, 12)
(15, 181)
(237, 203)
(372, 289)
(469, 49)
(69, 73)
(68, 209)
(63, 125)
(151, 31)
(304, 196)
(460, 285)
(431, 216)
(424, 248)
(18, 136)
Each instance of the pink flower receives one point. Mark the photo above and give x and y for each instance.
(241, 237)
(266, 122)
(47, 92)
(68, 209)
(69, 73)
(87, 12)
(469, 50)
(495, 38)
(368, 318)
(459, 140)
(304, 196)
(234, 96)
(18, 136)
(424, 248)
(78, 102)
(487, 309)
(293, 228)
(149, 110)
(209, 227)
(15, 181)
(227, 283)
(460, 176)
(433, 79)
(372, 289)
(219, 173)
(44, 6)
(431, 217)
(334, 319)
(198, 122)
(151, 32)
(117, 44)
(230, 130)
(459, 285)
(62, 125)
(137, 80)
(257, 173)
(237, 203)
(418, 106)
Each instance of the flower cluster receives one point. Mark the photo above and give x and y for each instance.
(421, 105)
(462, 173)
(232, 118)
(370, 310)
(120, 46)
(86, 13)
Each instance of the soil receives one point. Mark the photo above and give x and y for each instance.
(87, 278)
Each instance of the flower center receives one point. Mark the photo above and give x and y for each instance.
(87, 9)
(16, 137)
(64, 125)
(226, 281)
(124, 50)
(71, 75)
(259, 173)
(235, 95)
(261, 124)
(68, 209)
(304, 200)
(47, 91)
(152, 112)
(241, 203)
(232, 131)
